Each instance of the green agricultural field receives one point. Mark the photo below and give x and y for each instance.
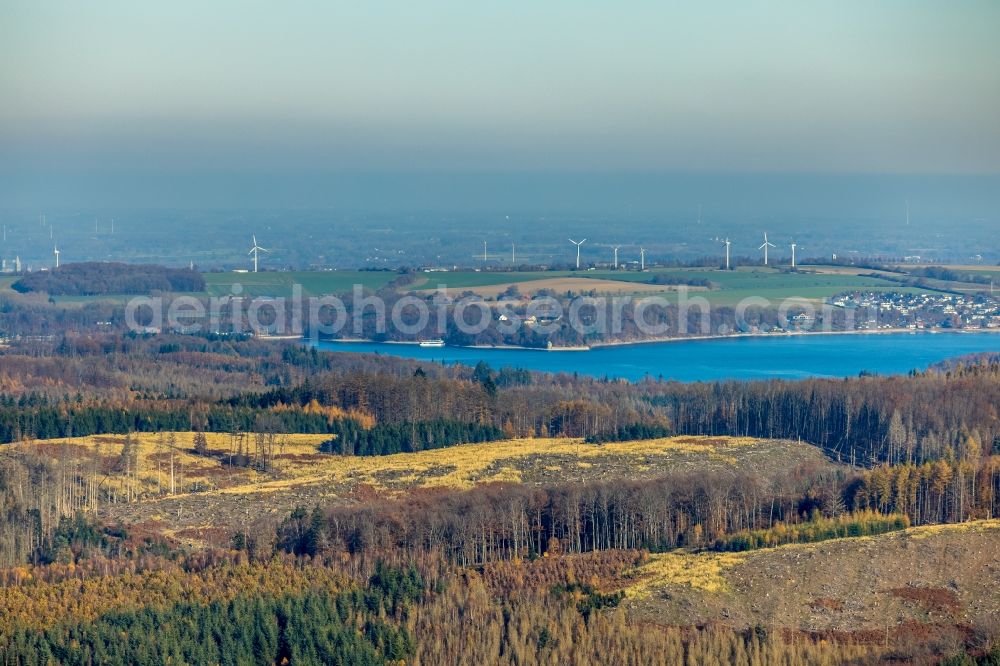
(314, 283)
(775, 295)
(752, 278)
(730, 287)
(471, 279)
(775, 286)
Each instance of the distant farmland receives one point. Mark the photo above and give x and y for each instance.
(728, 287)
(314, 283)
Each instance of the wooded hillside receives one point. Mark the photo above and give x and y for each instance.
(97, 278)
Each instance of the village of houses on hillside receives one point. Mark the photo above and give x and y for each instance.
(888, 310)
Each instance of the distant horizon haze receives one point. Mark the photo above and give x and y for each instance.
(112, 101)
(720, 196)
(385, 133)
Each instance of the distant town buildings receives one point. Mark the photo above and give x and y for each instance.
(878, 310)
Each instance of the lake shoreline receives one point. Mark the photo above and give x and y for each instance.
(768, 356)
(792, 334)
(689, 338)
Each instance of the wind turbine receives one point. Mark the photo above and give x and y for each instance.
(764, 247)
(907, 212)
(484, 251)
(254, 250)
(513, 258)
(642, 258)
(794, 245)
(727, 243)
(616, 247)
(578, 244)
(55, 251)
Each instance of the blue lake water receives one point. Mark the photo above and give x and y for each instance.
(788, 357)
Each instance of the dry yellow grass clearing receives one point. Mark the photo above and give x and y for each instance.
(298, 462)
(925, 531)
(705, 571)
(465, 466)
(149, 471)
(701, 571)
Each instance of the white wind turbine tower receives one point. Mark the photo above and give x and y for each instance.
(794, 245)
(578, 244)
(513, 257)
(642, 258)
(616, 248)
(727, 243)
(254, 250)
(764, 247)
(55, 251)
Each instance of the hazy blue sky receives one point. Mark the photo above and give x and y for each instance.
(243, 86)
